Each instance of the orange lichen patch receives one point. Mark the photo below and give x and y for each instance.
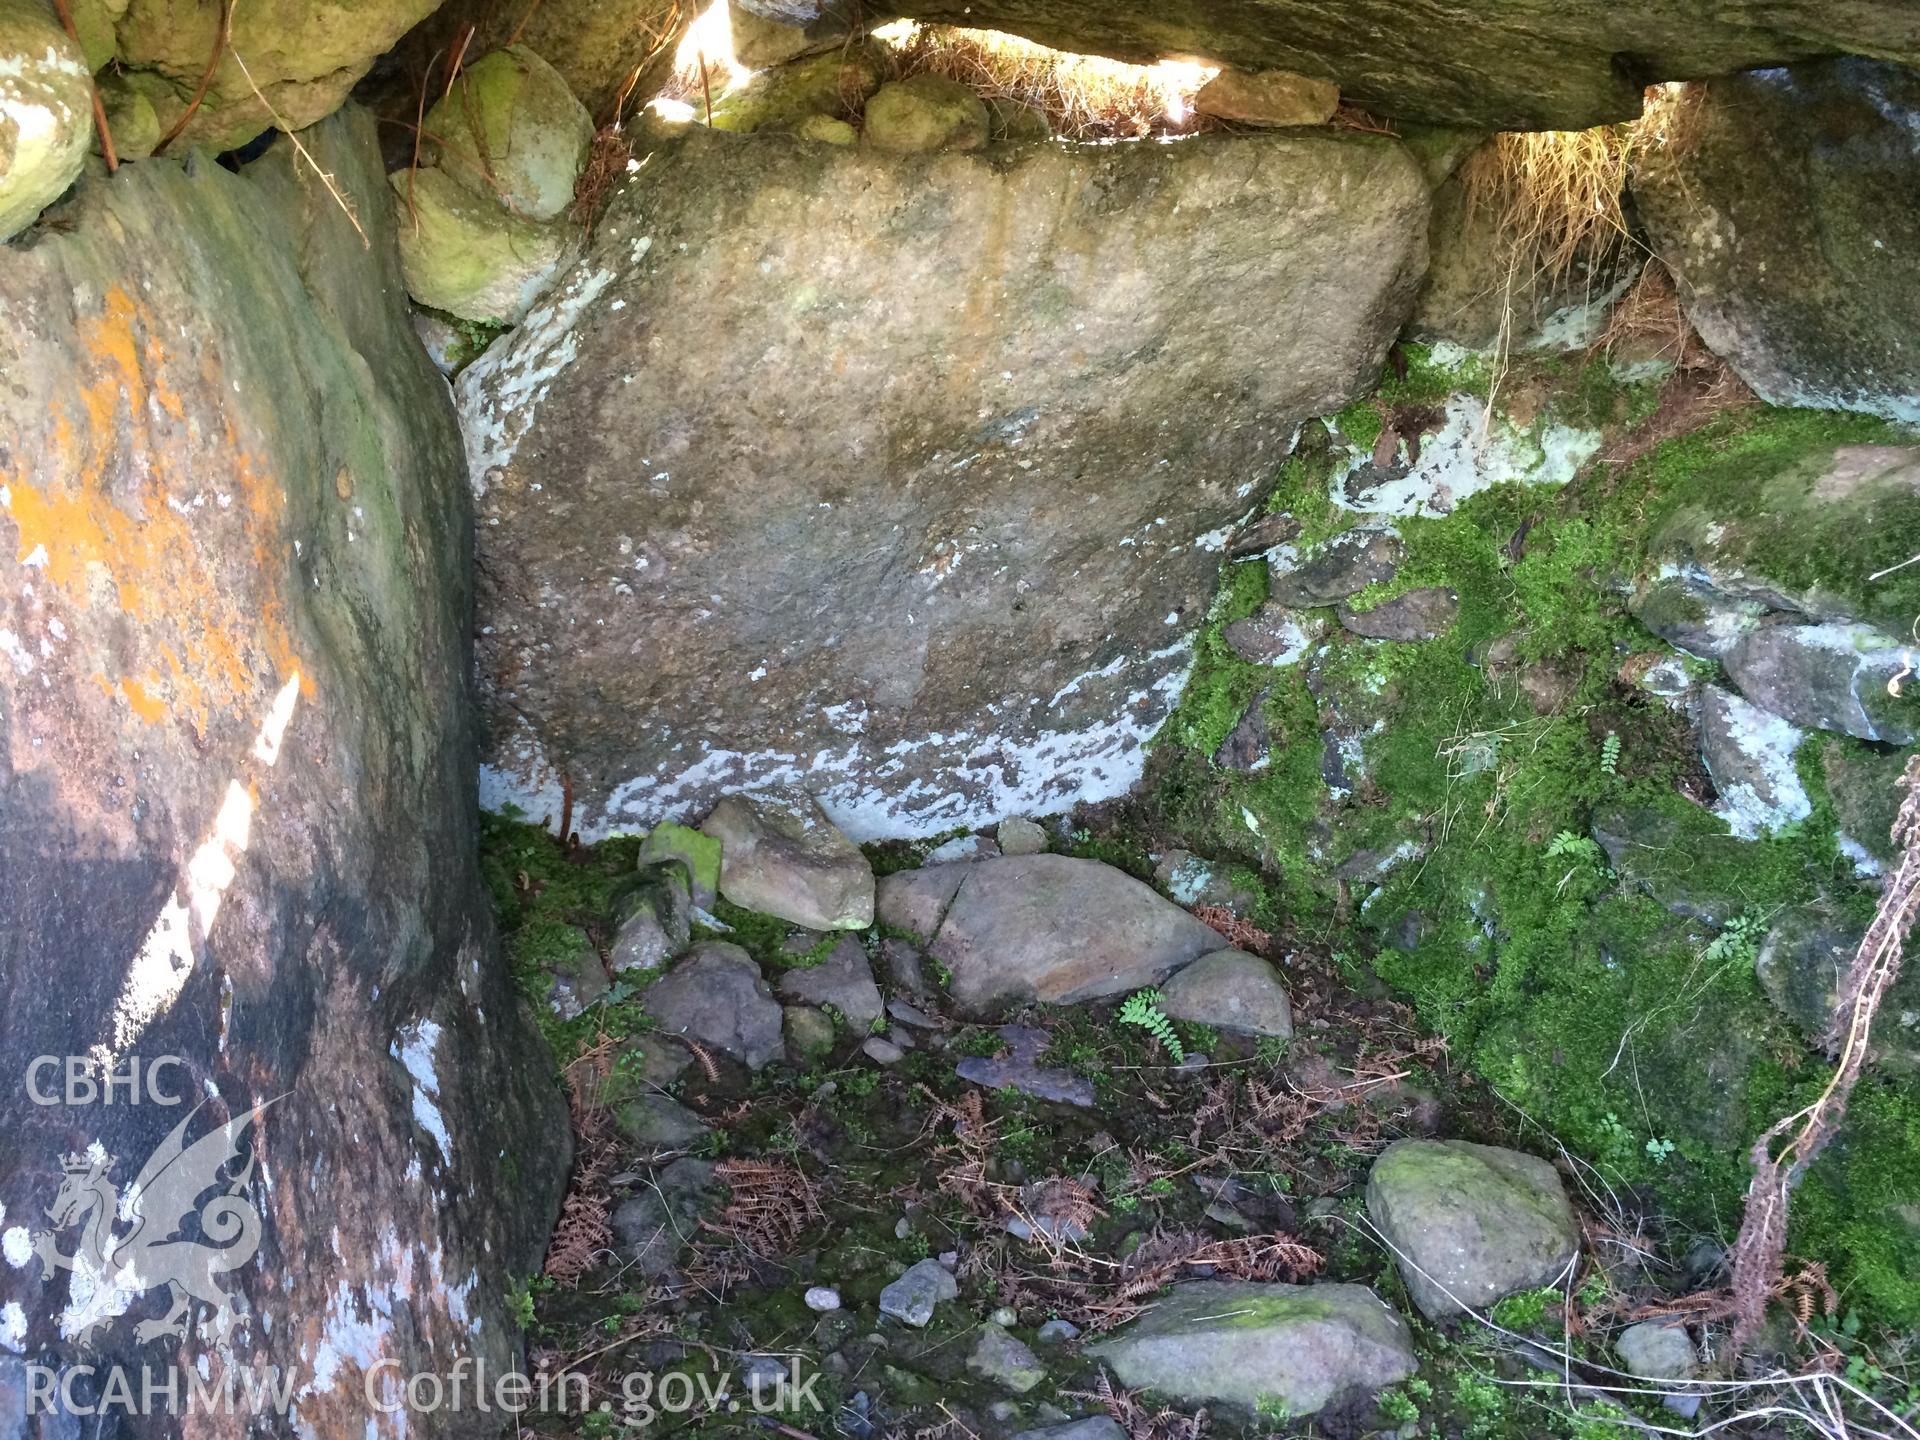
(143, 704)
(200, 579)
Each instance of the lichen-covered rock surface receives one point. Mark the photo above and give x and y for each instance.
(235, 814)
(1244, 1344)
(1501, 65)
(46, 121)
(1777, 210)
(283, 62)
(1470, 1224)
(902, 478)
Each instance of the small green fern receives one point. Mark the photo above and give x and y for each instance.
(1142, 1008)
(1610, 754)
(1567, 845)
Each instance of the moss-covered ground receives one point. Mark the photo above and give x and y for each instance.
(1449, 921)
(1638, 1036)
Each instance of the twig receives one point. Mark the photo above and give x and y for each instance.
(99, 107)
(222, 35)
(305, 154)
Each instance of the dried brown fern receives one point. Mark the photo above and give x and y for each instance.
(1758, 1253)
(1232, 928)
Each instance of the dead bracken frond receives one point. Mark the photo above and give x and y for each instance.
(704, 1058)
(1232, 928)
(772, 1206)
(963, 1162)
(583, 1233)
(1131, 1416)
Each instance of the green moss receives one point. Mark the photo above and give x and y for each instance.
(1596, 1003)
(1430, 380)
(1360, 424)
(1748, 476)
(765, 937)
(1222, 684)
(1861, 1200)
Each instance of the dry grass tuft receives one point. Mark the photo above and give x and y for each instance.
(1556, 194)
(1085, 97)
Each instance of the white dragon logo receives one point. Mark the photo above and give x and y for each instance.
(110, 1271)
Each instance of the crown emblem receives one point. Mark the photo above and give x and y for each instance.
(78, 1163)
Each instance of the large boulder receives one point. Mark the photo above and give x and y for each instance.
(1042, 927)
(472, 257)
(46, 112)
(1480, 294)
(911, 487)
(1267, 97)
(606, 50)
(510, 131)
(284, 64)
(1249, 1344)
(717, 996)
(1783, 207)
(772, 32)
(926, 112)
(1499, 65)
(779, 855)
(236, 814)
(1469, 1224)
(1828, 677)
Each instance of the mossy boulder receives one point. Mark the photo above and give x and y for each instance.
(1799, 966)
(471, 258)
(698, 853)
(787, 97)
(926, 112)
(1794, 529)
(46, 112)
(131, 115)
(604, 49)
(1469, 1224)
(511, 131)
(302, 58)
(773, 32)
(1864, 785)
(1248, 1345)
(1774, 206)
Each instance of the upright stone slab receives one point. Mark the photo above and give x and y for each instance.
(903, 479)
(236, 818)
(1784, 207)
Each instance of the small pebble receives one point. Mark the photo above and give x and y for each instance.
(822, 1298)
(1005, 1317)
(1058, 1332)
(883, 1052)
(911, 1015)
